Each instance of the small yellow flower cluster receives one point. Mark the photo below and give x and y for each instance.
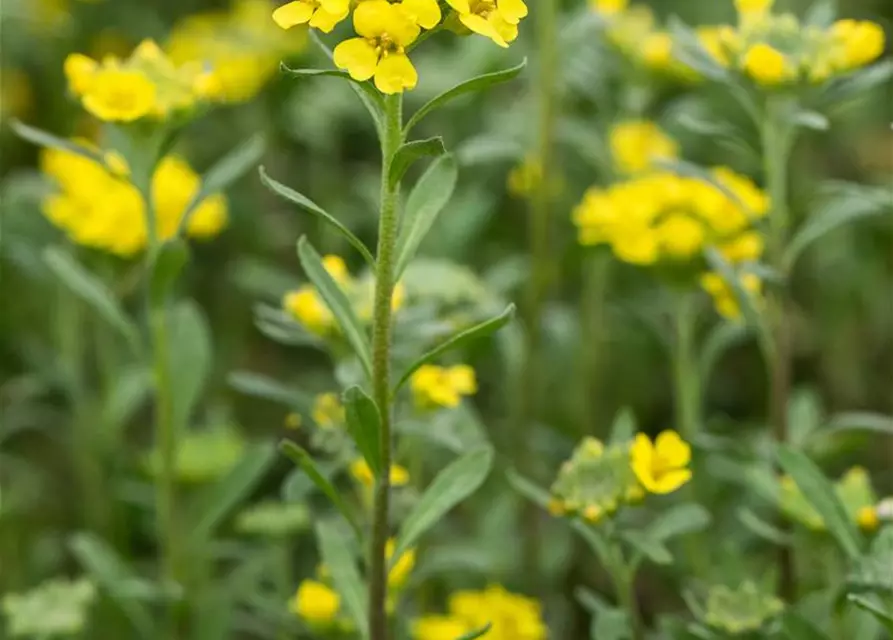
(328, 412)
(434, 386)
(241, 47)
(854, 491)
(97, 207)
(511, 616)
(316, 603)
(635, 33)
(775, 49)
(307, 307)
(386, 30)
(147, 84)
(361, 472)
(636, 145)
(402, 568)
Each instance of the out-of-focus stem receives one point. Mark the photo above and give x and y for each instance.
(685, 368)
(592, 323)
(381, 361)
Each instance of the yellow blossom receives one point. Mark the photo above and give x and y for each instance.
(328, 411)
(319, 14)
(494, 19)
(609, 7)
(662, 466)
(402, 567)
(439, 628)
(435, 386)
(724, 298)
(636, 145)
(380, 52)
(856, 43)
(511, 616)
(118, 95)
(307, 307)
(316, 603)
(657, 49)
(766, 65)
(867, 518)
(750, 11)
(361, 472)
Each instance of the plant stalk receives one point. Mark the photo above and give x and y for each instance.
(685, 368)
(624, 578)
(592, 321)
(382, 320)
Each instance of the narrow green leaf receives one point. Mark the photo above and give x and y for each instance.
(478, 331)
(649, 547)
(345, 574)
(308, 205)
(301, 458)
(451, 486)
(111, 573)
(822, 13)
(885, 617)
(213, 505)
(364, 425)
(190, 359)
(475, 84)
(166, 268)
(129, 390)
(261, 386)
(480, 633)
(426, 200)
(409, 152)
(819, 491)
(337, 303)
(688, 50)
(537, 495)
(44, 139)
(92, 292)
(226, 171)
(679, 520)
(623, 429)
(859, 421)
(763, 529)
(797, 628)
(811, 120)
(857, 84)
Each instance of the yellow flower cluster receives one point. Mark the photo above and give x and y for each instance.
(241, 47)
(636, 145)
(774, 49)
(147, 84)
(307, 307)
(512, 616)
(99, 208)
(328, 412)
(635, 33)
(361, 472)
(854, 491)
(386, 30)
(316, 603)
(434, 386)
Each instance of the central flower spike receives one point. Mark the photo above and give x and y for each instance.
(495, 19)
(386, 30)
(319, 14)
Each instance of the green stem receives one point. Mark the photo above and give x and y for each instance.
(624, 578)
(776, 150)
(592, 320)
(392, 138)
(685, 368)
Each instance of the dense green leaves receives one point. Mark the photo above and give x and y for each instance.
(409, 152)
(364, 425)
(337, 303)
(342, 566)
(308, 205)
(451, 486)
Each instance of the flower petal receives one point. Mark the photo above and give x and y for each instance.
(293, 13)
(395, 73)
(461, 6)
(512, 10)
(483, 27)
(669, 482)
(357, 57)
(671, 447)
(372, 18)
(425, 13)
(325, 20)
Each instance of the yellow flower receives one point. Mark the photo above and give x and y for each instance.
(661, 467)
(657, 50)
(494, 19)
(308, 308)
(720, 43)
(609, 7)
(750, 11)
(435, 386)
(337, 269)
(680, 236)
(316, 603)
(747, 247)
(723, 295)
(857, 43)
(319, 14)
(328, 411)
(512, 616)
(385, 32)
(402, 567)
(766, 65)
(79, 70)
(361, 472)
(439, 628)
(118, 95)
(868, 519)
(636, 145)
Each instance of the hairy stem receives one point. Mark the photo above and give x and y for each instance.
(381, 361)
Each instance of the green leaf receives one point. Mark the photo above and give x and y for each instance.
(301, 458)
(92, 292)
(226, 171)
(759, 527)
(797, 628)
(478, 331)
(129, 390)
(858, 84)
(219, 500)
(261, 386)
(111, 573)
(44, 139)
(679, 520)
(167, 266)
(623, 429)
(426, 200)
(337, 303)
(859, 421)
(822, 14)
(688, 50)
(409, 152)
(719, 340)
(190, 359)
(451, 486)
(649, 547)
(475, 84)
(885, 617)
(811, 120)
(536, 494)
(308, 205)
(364, 425)
(480, 633)
(345, 575)
(366, 92)
(819, 491)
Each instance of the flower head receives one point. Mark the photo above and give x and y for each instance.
(494, 19)
(402, 567)
(439, 628)
(724, 298)
(380, 52)
(636, 145)
(319, 14)
(766, 64)
(661, 466)
(316, 603)
(511, 616)
(435, 386)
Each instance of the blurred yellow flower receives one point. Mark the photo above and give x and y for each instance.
(385, 31)
(319, 14)
(434, 386)
(856, 43)
(609, 7)
(494, 19)
(306, 305)
(657, 50)
(637, 144)
(315, 603)
(119, 95)
(402, 567)
(724, 298)
(766, 64)
(753, 9)
(525, 177)
(662, 466)
(328, 412)
(867, 518)
(512, 616)
(439, 628)
(98, 207)
(361, 472)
